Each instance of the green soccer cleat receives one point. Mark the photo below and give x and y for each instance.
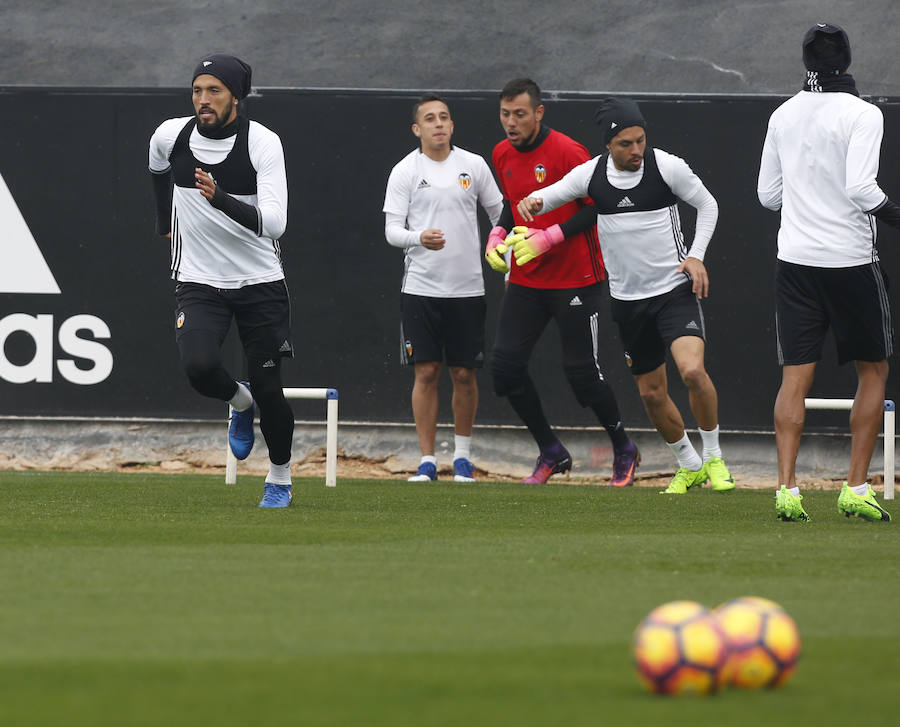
(719, 476)
(684, 480)
(788, 507)
(849, 503)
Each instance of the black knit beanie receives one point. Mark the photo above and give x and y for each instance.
(615, 114)
(231, 71)
(832, 60)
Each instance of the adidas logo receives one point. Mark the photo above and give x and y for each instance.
(286, 346)
(693, 326)
(575, 301)
(423, 184)
(625, 203)
(270, 364)
(30, 272)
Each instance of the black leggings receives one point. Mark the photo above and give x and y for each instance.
(524, 314)
(201, 359)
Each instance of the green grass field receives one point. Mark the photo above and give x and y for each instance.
(147, 599)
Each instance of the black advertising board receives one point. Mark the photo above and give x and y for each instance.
(77, 217)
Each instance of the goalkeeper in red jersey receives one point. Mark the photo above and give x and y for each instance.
(565, 284)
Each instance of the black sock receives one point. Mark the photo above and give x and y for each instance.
(617, 435)
(276, 419)
(607, 411)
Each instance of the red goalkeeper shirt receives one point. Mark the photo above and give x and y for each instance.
(575, 262)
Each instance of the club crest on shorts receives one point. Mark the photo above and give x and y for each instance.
(540, 172)
(408, 348)
(465, 181)
(179, 321)
(628, 359)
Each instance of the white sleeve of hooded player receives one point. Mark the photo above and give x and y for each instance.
(770, 183)
(863, 153)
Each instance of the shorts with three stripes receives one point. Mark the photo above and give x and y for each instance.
(852, 302)
(647, 327)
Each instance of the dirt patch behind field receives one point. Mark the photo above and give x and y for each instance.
(360, 467)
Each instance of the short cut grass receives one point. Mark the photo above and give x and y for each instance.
(158, 599)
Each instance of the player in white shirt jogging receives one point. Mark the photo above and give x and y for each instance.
(655, 281)
(224, 215)
(819, 167)
(430, 207)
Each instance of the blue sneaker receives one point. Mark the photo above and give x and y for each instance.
(463, 470)
(276, 496)
(240, 431)
(427, 472)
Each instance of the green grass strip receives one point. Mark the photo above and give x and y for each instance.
(144, 599)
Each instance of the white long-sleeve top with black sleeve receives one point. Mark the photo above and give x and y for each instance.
(209, 245)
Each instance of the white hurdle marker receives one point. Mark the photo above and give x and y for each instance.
(331, 425)
(889, 425)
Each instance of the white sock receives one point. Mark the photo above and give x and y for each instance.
(686, 454)
(463, 446)
(862, 489)
(710, 443)
(429, 458)
(242, 400)
(279, 474)
(795, 491)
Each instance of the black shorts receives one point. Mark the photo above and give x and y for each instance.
(439, 329)
(262, 313)
(852, 301)
(647, 327)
